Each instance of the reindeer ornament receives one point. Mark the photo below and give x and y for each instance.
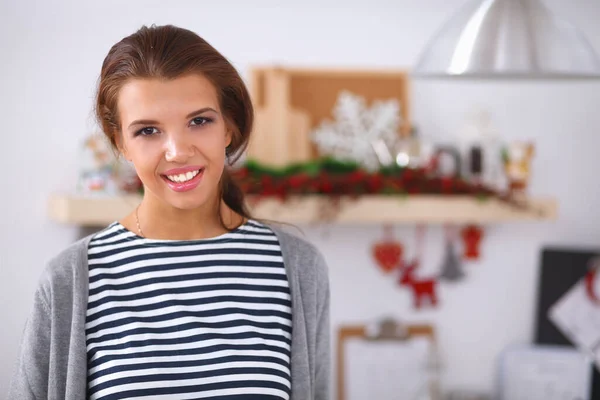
(422, 289)
(517, 165)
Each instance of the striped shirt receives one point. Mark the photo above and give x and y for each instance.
(188, 319)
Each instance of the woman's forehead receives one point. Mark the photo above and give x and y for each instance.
(151, 98)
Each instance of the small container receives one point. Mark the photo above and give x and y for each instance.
(413, 151)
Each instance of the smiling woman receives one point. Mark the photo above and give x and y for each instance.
(174, 133)
(188, 296)
(172, 104)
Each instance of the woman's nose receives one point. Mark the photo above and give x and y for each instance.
(178, 148)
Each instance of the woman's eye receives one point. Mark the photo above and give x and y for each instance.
(147, 131)
(200, 121)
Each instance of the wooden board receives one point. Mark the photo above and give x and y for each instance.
(316, 92)
(291, 102)
(345, 333)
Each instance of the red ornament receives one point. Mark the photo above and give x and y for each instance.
(267, 184)
(446, 184)
(356, 177)
(471, 236)
(374, 184)
(298, 181)
(423, 289)
(388, 252)
(590, 279)
(242, 173)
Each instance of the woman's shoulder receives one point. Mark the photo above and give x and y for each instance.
(298, 252)
(294, 241)
(67, 268)
(74, 252)
(74, 257)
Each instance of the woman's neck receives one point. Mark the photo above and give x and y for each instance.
(158, 220)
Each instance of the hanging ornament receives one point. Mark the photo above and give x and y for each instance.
(424, 290)
(471, 236)
(451, 265)
(388, 251)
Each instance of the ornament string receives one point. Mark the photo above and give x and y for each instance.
(451, 233)
(388, 232)
(419, 242)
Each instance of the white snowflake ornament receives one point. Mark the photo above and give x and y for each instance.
(356, 129)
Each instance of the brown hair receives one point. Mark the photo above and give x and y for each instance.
(168, 52)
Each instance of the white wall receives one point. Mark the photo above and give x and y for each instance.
(51, 53)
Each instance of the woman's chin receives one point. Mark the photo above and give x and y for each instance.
(192, 200)
(190, 203)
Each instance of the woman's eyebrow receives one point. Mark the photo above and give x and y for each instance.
(143, 122)
(200, 111)
(153, 122)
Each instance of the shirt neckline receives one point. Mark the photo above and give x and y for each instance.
(143, 239)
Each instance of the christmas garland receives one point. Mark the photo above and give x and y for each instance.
(339, 178)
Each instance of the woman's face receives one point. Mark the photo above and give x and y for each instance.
(175, 135)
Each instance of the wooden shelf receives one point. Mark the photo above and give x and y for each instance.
(99, 211)
(90, 211)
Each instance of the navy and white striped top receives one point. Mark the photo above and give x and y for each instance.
(188, 319)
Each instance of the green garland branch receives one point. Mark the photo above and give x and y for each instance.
(337, 178)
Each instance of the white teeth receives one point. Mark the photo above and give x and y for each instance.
(183, 177)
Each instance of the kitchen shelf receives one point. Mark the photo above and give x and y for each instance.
(432, 209)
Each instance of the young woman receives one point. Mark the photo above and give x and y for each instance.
(188, 297)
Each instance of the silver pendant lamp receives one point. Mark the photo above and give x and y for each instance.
(496, 39)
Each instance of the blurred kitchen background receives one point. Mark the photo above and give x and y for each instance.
(494, 308)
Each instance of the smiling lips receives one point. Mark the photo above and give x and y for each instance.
(183, 179)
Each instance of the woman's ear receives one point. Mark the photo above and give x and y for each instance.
(228, 138)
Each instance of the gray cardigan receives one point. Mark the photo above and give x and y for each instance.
(52, 361)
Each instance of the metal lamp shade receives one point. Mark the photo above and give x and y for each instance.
(508, 39)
